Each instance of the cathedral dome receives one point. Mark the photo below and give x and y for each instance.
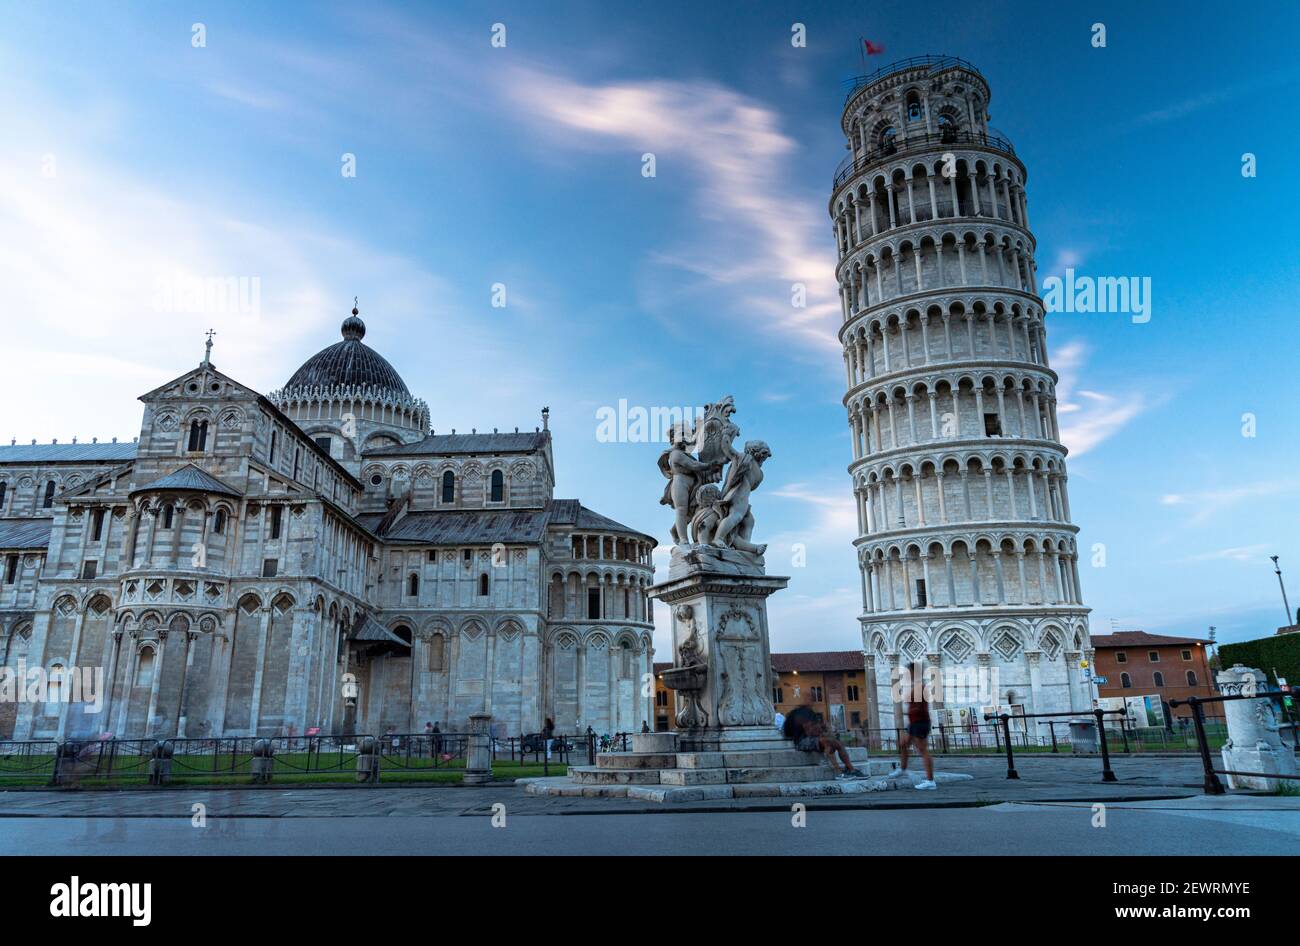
(349, 363)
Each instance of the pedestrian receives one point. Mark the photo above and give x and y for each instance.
(428, 738)
(805, 727)
(548, 734)
(918, 728)
(437, 738)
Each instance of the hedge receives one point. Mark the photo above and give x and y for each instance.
(1280, 653)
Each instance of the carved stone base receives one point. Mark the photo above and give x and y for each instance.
(694, 559)
(720, 622)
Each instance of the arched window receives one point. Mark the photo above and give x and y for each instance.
(1126, 681)
(413, 586)
(913, 107)
(437, 648)
(4, 488)
(144, 669)
(198, 435)
(498, 486)
(1191, 678)
(449, 487)
(168, 513)
(1158, 679)
(219, 522)
(483, 585)
(49, 494)
(55, 691)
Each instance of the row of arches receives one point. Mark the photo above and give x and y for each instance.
(956, 408)
(934, 263)
(595, 595)
(452, 484)
(959, 640)
(925, 104)
(596, 677)
(306, 405)
(927, 191)
(949, 491)
(612, 548)
(29, 495)
(943, 332)
(966, 572)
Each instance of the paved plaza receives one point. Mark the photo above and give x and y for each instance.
(1155, 807)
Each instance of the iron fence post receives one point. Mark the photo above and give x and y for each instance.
(1051, 727)
(1006, 734)
(1212, 784)
(1106, 774)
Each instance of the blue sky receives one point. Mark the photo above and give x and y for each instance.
(130, 157)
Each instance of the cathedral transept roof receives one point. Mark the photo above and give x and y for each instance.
(25, 533)
(192, 479)
(443, 444)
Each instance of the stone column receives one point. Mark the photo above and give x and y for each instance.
(183, 708)
(478, 755)
(159, 663)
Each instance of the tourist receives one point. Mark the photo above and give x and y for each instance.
(918, 728)
(809, 734)
(548, 734)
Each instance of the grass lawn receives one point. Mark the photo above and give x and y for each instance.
(290, 769)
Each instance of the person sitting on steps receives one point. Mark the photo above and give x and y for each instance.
(805, 727)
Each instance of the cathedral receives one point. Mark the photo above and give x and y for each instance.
(314, 559)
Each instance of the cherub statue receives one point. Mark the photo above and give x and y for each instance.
(743, 477)
(708, 513)
(685, 473)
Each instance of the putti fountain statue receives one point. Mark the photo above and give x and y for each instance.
(717, 586)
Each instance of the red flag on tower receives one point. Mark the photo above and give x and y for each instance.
(872, 48)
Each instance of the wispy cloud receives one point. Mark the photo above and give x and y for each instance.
(1210, 98)
(1206, 503)
(1088, 417)
(765, 236)
(1241, 553)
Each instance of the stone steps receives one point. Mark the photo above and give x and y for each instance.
(636, 760)
(593, 775)
(669, 793)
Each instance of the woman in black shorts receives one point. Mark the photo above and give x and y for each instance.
(918, 728)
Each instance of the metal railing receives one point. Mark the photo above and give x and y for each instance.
(75, 760)
(1051, 736)
(917, 142)
(1107, 775)
(933, 61)
(1212, 784)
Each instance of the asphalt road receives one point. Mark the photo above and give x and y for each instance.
(1200, 826)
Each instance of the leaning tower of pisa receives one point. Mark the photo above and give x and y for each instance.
(965, 546)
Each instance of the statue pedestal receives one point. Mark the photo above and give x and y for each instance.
(1254, 741)
(718, 601)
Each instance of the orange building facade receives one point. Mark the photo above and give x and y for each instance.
(834, 683)
(1135, 663)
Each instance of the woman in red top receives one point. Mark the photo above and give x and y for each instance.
(918, 726)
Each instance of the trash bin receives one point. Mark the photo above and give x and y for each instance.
(1083, 736)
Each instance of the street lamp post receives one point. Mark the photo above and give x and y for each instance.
(1285, 604)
